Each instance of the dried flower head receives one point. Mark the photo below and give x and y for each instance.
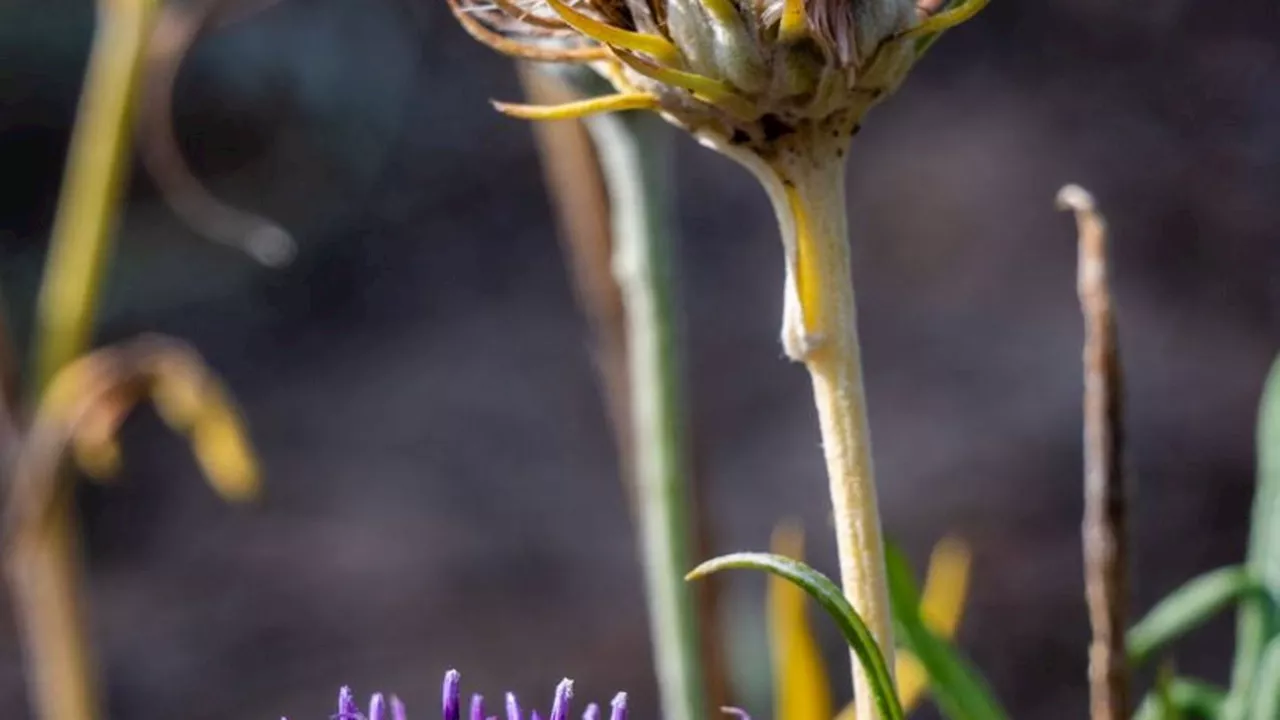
(747, 72)
(382, 708)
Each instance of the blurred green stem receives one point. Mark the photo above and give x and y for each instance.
(44, 564)
(635, 156)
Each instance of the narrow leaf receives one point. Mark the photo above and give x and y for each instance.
(1182, 696)
(958, 689)
(1257, 620)
(1266, 685)
(1186, 608)
(833, 601)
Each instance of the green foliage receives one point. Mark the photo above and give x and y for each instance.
(1182, 698)
(829, 596)
(1265, 703)
(1255, 682)
(957, 687)
(1257, 624)
(1186, 608)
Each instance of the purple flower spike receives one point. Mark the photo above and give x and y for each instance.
(513, 707)
(449, 696)
(560, 705)
(618, 707)
(347, 709)
(383, 707)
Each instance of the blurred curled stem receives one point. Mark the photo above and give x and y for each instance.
(44, 564)
(178, 27)
(635, 154)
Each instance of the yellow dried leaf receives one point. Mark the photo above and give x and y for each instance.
(221, 447)
(802, 688)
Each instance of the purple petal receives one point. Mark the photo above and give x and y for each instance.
(449, 696)
(560, 705)
(618, 707)
(477, 707)
(397, 709)
(513, 707)
(592, 712)
(736, 712)
(378, 707)
(533, 715)
(347, 709)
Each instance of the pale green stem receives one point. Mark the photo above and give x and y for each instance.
(805, 182)
(44, 564)
(635, 152)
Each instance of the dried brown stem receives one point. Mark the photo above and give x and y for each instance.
(1105, 514)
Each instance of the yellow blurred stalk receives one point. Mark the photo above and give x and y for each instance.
(44, 564)
(802, 686)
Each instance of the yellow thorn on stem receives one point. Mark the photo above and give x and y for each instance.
(708, 90)
(946, 19)
(794, 25)
(579, 108)
(656, 46)
(722, 10)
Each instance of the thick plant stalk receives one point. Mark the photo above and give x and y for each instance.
(805, 182)
(44, 564)
(1105, 526)
(634, 151)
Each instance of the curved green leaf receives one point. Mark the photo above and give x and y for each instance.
(1266, 685)
(1182, 696)
(1186, 608)
(833, 601)
(1258, 619)
(957, 687)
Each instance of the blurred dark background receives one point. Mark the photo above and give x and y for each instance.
(441, 477)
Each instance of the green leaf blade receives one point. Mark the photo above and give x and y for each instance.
(1186, 608)
(1182, 696)
(1265, 704)
(957, 687)
(1257, 620)
(829, 596)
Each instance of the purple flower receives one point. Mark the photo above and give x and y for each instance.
(381, 708)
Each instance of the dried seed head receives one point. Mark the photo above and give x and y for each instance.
(744, 72)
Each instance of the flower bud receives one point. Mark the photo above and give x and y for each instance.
(742, 72)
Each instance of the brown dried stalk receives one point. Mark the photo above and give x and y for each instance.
(1105, 514)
